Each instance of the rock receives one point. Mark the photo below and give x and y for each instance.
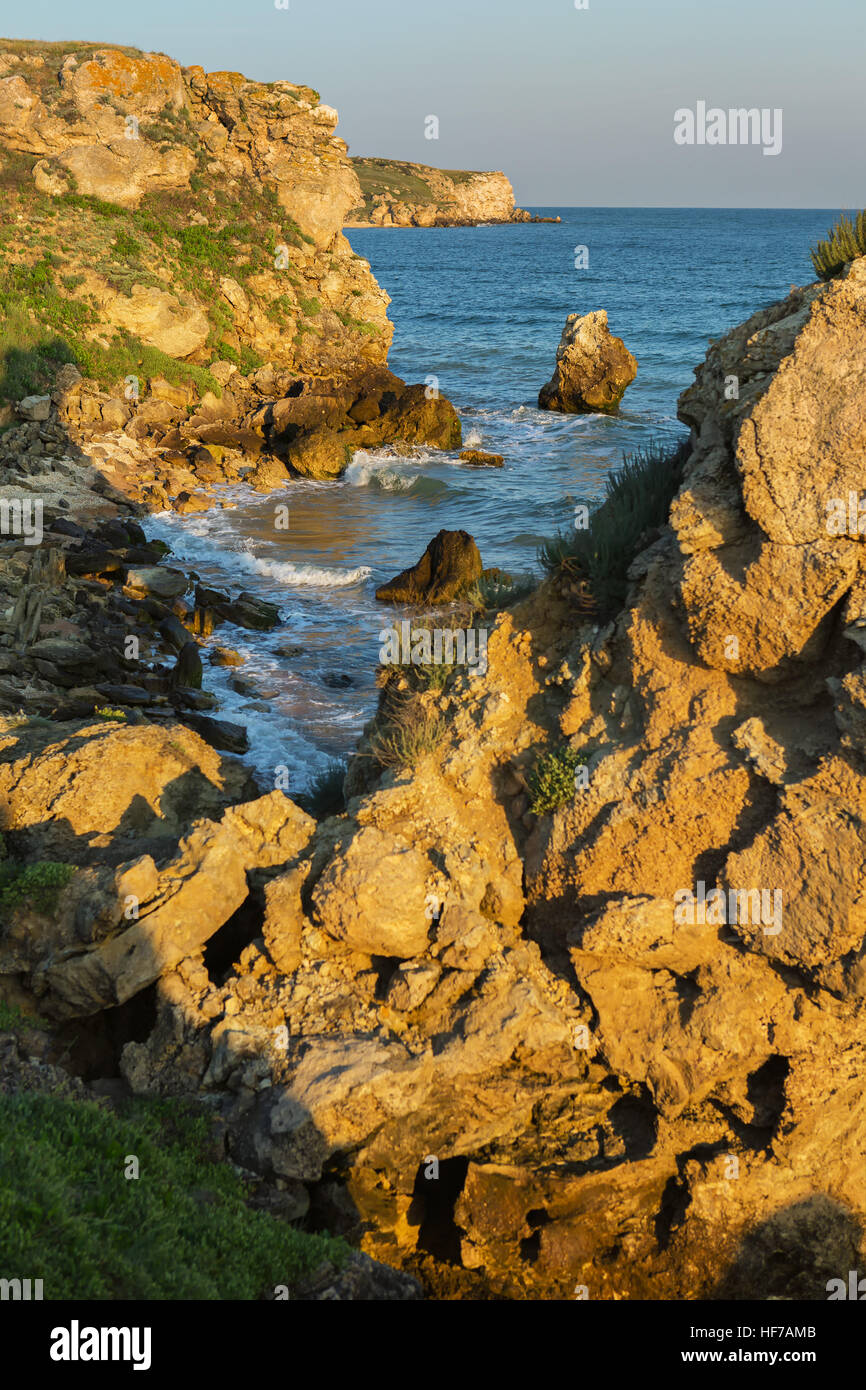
(482, 459)
(378, 869)
(125, 694)
(64, 652)
(321, 455)
(35, 407)
(196, 893)
(66, 786)
(593, 368)
(159, 580)
(188, 669)
(449, 566)
(161, 320)
(411, 984)
(225, 656)
(219, 733)
(268, 474)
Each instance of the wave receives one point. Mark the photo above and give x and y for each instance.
(312, 576)
(368, 470)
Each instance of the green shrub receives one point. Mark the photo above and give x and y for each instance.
(310, 308)
(181, 1230)
(324, 796)
(126, 246)
(409, 731)
(495, 591)
(106, 712)
(37, 886)
(845, 242)
(551, 782)
(637, 500)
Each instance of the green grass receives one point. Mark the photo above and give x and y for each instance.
(181, 1230)
(637, 500)
(11, 1017)
(551, 781)
(846, 240)
(35, 886)
(41, 328)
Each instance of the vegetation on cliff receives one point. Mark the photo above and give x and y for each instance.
(108, 1205)
(144, 234)
(602, 545)
(846, 240)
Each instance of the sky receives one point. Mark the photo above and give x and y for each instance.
(576, 106)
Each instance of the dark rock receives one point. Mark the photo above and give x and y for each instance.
(219, 733)
(449, 565)
(187, 670)
(64, 527)
(125, 694)
(174, 632)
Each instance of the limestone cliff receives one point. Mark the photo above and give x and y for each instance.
(199, 214)
(174, 270)
(398, 194)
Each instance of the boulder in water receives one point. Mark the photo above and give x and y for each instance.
(593, 368)
(449, 565)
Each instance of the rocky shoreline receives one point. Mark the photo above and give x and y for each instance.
(464, 1021)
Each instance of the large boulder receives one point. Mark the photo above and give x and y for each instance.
(593, 368)
(449, 565)
(374, 896)
(67, 789)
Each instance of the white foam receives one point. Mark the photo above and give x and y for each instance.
(312, 576)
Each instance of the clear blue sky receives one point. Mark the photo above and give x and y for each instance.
(575, 106)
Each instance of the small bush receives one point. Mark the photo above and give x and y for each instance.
(106, 712)
(496, 591)
(845, 242)
(324, 796)
(410, 731)
(551, 782)
(11, 1017)
(37, 886)
(637, 500)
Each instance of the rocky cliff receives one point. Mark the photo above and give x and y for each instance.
(609, 1045)
(176, 236)
(397, 194)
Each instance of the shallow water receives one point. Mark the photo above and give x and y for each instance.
(482, 310)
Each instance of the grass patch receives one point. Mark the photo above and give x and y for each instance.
(181, 1230)
(637, 500)
(551, 781)
(846, 240)
(410, 731)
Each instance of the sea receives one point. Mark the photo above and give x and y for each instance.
(481, 310)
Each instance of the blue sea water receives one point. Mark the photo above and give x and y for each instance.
(482, 310)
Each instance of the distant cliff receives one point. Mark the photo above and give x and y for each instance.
(397, 194)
